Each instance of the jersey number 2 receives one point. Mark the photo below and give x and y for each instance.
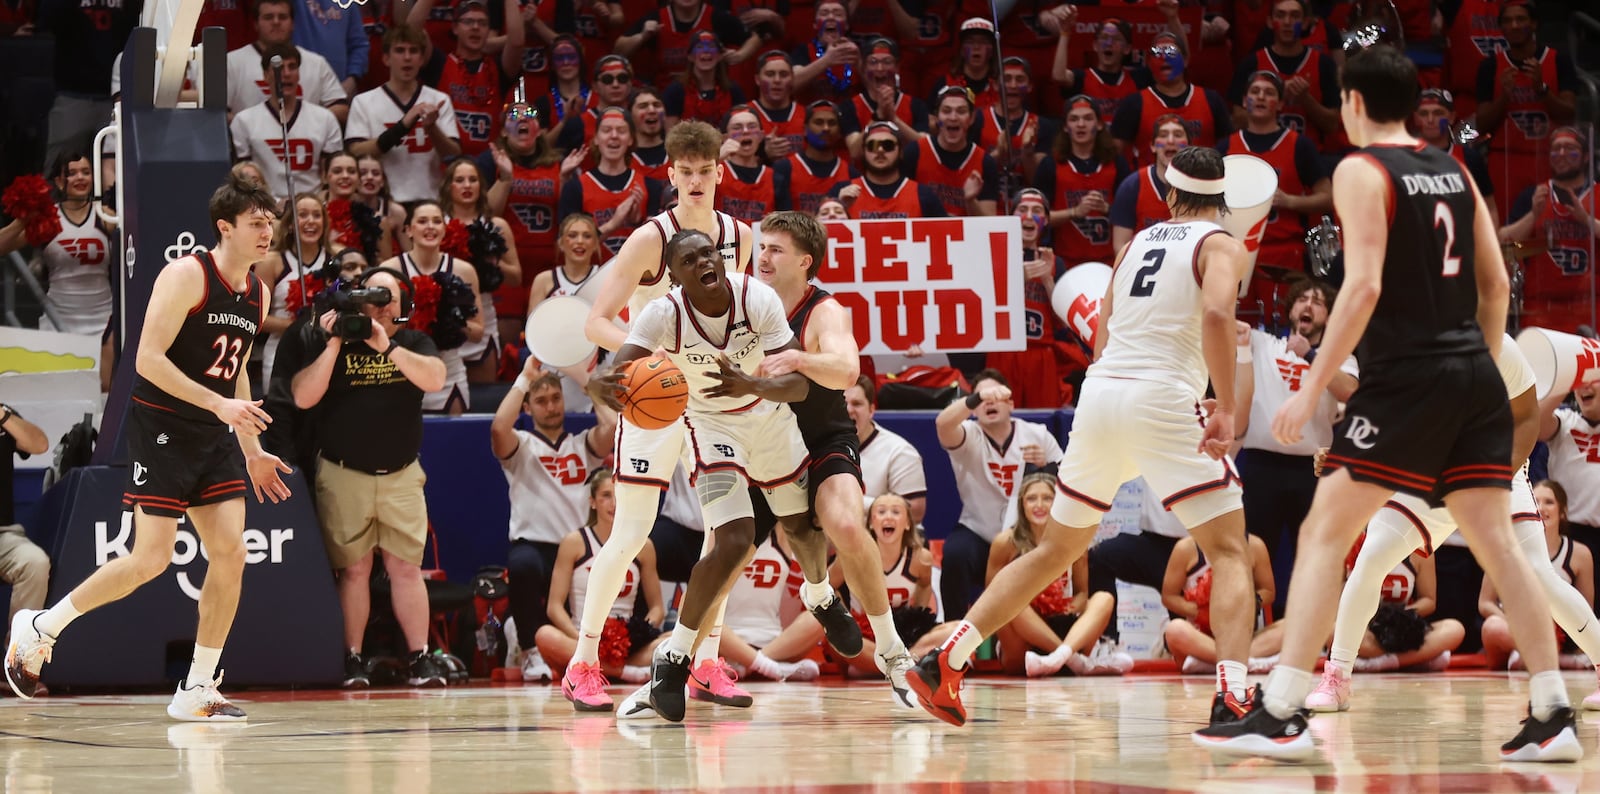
(1144, 284)
(1443, 216)
(227, 364)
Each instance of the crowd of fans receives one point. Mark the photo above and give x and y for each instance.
(506, 149)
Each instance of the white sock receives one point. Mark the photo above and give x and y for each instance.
(887, 639)
(203, 668)
(768, 667)
(815, 594)
(1061, 655)
(963, 641)
(1546, 693)
(1233, 677)
(53, 620)
(681, 643)
(711, 646)
(1286, 690)
(635, 674)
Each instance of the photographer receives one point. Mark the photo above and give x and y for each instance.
(369, 387)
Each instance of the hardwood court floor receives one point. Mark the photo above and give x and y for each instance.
(1405, 734)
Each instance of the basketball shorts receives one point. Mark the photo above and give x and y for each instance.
(176, 463)
(648, 457)
(1435, 524)
(762, 444)
(836, 454)
(1427, 427)
(1126, 428)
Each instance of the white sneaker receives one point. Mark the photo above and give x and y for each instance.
(26, 654)
(534, 668)
(1038, 665)
(895, 668)
(203, 703)
(1575, 661)
(513, 649)
(636, 706)
(1195, 666)
(1592, 702)
(805, 670)
(1108, 659)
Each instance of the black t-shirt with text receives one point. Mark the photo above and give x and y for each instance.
(371, 417)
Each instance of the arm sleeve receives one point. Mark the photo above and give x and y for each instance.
(932, 207)
(1221, 116)
(571, 135)
(486, 167)
(433, 70)
(1125, 123)
(1125, 207)
(649, 328)
(991, 180)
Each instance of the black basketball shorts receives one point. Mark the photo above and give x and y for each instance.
(1428, 427)
(176, 463)
(839, 453)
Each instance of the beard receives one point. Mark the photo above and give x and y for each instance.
(885, 174)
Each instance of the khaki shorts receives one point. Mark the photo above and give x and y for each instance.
(360, 512)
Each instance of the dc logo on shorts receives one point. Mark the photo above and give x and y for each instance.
(139, 472)
(1361, 432)
(723, 449)
(640, 465)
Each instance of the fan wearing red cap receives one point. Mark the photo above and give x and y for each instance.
(1309, 101)
(1525, 91)
(1558, 216)
(832, 61)
(476, 82)
(881, 100)
(966, 178)
(1305, 191)
(1080, 178)
(1203, 110)
(883, 190)
(976, 67)
(705, 92)
(613, 191)
(670, 33)
(1433, 121)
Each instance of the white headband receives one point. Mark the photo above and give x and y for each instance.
(1182, 181)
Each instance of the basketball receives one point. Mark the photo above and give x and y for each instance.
(654, 393)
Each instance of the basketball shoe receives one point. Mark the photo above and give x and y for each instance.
(26, 654)
(1260, 733)
(585, 685)
(844, 633)
(713, 681)
(1227, 708)
(426, 670)
(895, 668)
(938, 687)
(533, 667)
(1592, 702)
(1554, 739)
(669, 676)
(1333, 692)
(355, 672)
(203, 703)
(636, 706)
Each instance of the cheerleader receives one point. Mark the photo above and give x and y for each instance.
(76, 260)
(426, 229)
(306, 236)
(352, 221)
(578, 247)
(472, 234)
(1186, 592)
(1573, 564)
(628, 640)
(372, 186)
(908, 575)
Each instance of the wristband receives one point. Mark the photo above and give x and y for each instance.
(521, 383)
(973, 401)
(389, 351)
(392, 137)
(1242, 355)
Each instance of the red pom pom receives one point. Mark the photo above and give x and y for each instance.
(424, 303)
(300, 293)
(1053, 600)
(1200, 595)
(456, 239)
(29, 200)
(342, 224)
(866, 625)
(614, 643)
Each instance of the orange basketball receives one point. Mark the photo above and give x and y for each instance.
(654, 392)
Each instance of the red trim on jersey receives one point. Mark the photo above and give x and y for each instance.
(149, 404)
(1385, 474)
(645, 481)
(805, 466)
(661, 268)
(1388, 195)
(1195, 265)
(1203, 488)
(206, 268)
(1405, 512)
(1081, 497)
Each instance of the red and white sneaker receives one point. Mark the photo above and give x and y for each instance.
(938, 687)
(585, 685)
(713, 681)
(1333, 692)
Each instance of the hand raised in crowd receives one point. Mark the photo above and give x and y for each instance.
(993, 392)
(730, 146)
(973, 186)
(1093, 203)
(1241, 334)
(883, 95)
(1033, 455)
(1295, 87)
(843, 52)
(1299, 345)
(574, 160)
(778, 147)
(503, 166)
(849, 193)
(651, 28)
(1042, 266)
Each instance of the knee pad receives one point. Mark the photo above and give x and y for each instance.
(636, 515)
(724, 497)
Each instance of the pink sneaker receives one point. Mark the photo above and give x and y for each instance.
(585, 685)
(1592, 702)
(713, 681)
(1333, 693)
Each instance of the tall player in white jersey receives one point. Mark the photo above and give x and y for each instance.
(1168, 316)
(1407, 522)
(633, 278)
(718, 328)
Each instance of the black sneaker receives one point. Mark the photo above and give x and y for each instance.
(844, 633)
(355, 672)
(669, 677)
(425, 670)
(1554, 739)
(1226, 708)
(1260, 733)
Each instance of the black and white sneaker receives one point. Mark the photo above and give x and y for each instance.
(1260, 733)
(669, 679)
(1554, 739)
(425, 671)
(844, 633)
(355, 672)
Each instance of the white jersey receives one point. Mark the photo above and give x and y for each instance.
(621, 608)
(987, 473)
(475, 351)
(1575, 463)
(726, 237)
(890, 464)
(546, 483)
(77, 265)
(314, 133)
(754, 323)
(897, 579)
(249, 85)
(756, 601)
(1154, 331)
(1278, 373)
(1154, 517)
(280, 304)
(414, 168)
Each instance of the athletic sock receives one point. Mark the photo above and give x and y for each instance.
(710, 647)
(588, 648)
(1546, 693)
(884, 633)
(1285, 692)
(681, 642)
(963, 641)
(55, 619)
(1233, 677)
(203, 668)
(815, 594)
(768, 667)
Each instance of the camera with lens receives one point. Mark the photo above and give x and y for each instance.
(347, 300)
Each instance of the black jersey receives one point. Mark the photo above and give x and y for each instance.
(1429, 303)
(822, 414)
(211, 346)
